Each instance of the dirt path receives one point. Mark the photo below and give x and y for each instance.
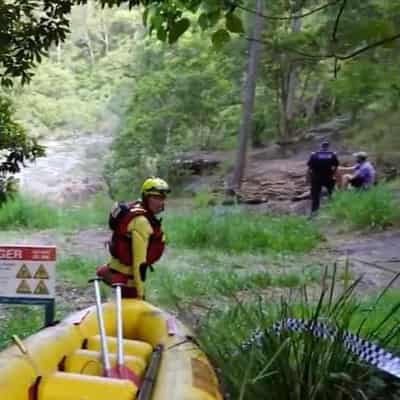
(374, 256)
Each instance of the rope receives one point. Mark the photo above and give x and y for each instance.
(363, 349)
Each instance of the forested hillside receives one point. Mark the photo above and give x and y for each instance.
(306, 303)
(317, 61)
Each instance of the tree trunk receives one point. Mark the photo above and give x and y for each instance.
(312, 107)
(104, 32)
(289, 85)
(249, 87)
(88, 41)
(283, 119)
(59, 53)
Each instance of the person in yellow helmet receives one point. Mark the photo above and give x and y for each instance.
(138, 240)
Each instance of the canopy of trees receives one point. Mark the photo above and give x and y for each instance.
(318, 59)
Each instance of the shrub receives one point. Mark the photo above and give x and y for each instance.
(376, 208)
(24, 212)
(299, 365)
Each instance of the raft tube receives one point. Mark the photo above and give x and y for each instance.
(63, 362)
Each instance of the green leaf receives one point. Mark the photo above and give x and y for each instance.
(213, 17)
(211, 5)
(203, 21)
(178, 29)
(209, 19)
(161, 34)
(156, 21)
(233, 23)
(220, 37)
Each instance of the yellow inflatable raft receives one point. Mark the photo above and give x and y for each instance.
(64, 362)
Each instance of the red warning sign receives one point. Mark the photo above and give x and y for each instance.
(27, 271)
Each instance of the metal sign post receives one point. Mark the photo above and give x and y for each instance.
(27, 276)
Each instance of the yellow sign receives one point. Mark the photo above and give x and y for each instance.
(23, 287)
(24, 272)
(41, 288)
(41, 273)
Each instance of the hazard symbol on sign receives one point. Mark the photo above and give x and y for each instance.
(41, 273)
(23, 267)
(41, 288)
(23, 287)
(24, 272)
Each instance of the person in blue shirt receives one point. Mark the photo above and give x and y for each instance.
(363, 173)
(322, 166)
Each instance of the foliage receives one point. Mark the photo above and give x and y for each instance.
(367, 86)
(295, 365)
(46, 22)
(376, 208)
(21, 212)
(241, 232)
(376, 132)
(27, 30)
(77, 270)
(177, 289)
(75, 90)
(19, 323)
(204, 198)
(179, 103)
(24, 212)
(15, 149)
(183, 96)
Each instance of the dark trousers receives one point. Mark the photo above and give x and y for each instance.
(316, 188)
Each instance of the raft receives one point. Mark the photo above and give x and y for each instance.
(64, 362)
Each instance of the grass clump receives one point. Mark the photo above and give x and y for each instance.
(23, 212)
(376, 208)
(300, 365)
(29, 213)
(172, 288)
(198, 281)
(77, 270)
(15, 321)
(239, 232)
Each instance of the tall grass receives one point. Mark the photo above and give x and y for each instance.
(24, 212)
(299, 365)
(77, 270)
(376, 208)
(175, 288)
(14, 320)
(241, 232)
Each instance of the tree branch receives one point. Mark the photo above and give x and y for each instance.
(284, 18)
(299, 52)
(334, 55)
(368, 47)
(336, 26)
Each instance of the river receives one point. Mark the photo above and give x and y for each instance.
(71, 170)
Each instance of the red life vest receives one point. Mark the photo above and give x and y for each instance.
(120, 245)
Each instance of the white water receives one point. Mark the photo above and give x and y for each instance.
(71, 170)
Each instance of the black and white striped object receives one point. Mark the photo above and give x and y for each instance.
(363, 349)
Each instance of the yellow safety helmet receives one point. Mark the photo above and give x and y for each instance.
(154, 187)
